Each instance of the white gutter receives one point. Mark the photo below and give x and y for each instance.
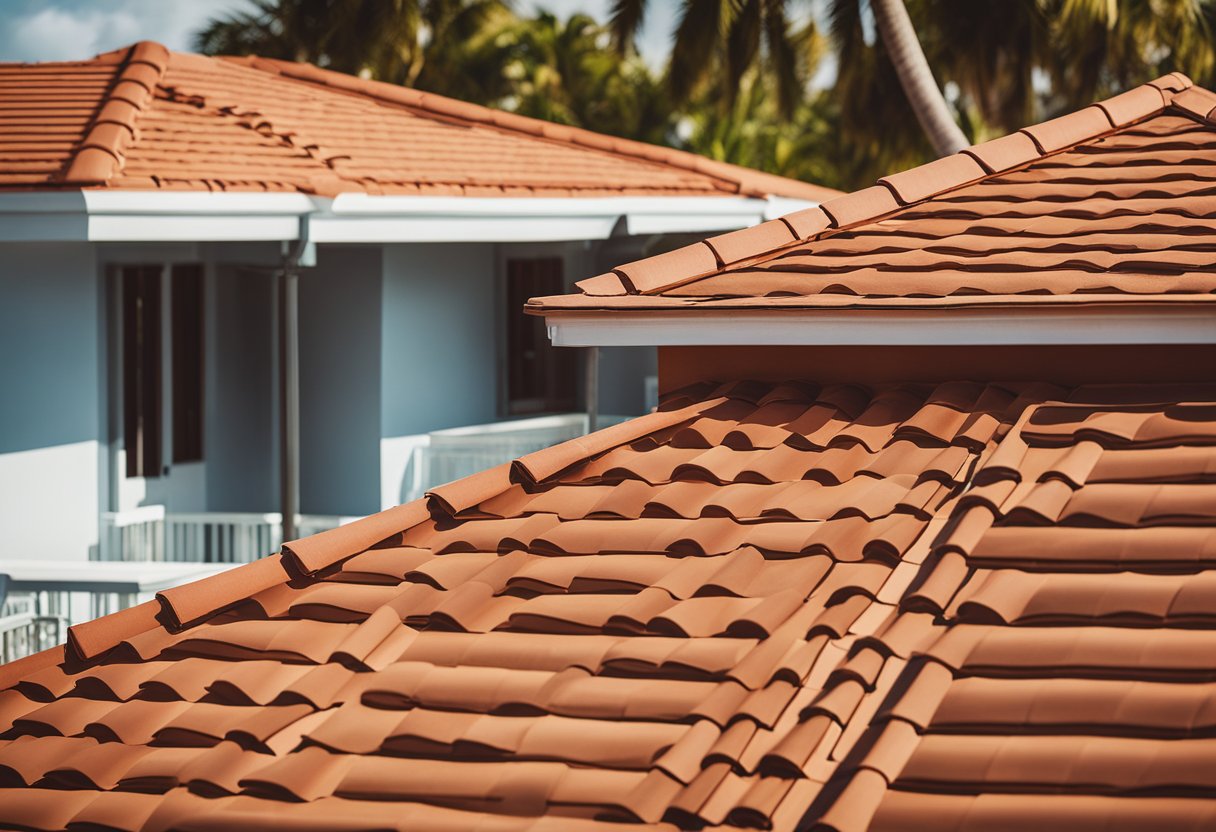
(1044, 325)
(180, 216)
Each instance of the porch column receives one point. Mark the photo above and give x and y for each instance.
(289, 398)
(591, 355)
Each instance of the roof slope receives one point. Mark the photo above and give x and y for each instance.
(912, 605)
(1113, 202)
(147, 118)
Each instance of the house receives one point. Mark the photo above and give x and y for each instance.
(921, 537)
(151, 203)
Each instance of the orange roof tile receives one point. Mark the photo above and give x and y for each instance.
(1107, 204)
(903, 607)
(147, 118)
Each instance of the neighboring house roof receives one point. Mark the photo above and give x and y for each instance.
(147, 118)
(903, 607)
(1106, 205)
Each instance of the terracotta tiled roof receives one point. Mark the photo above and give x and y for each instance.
(916, 606)
(147, 118)
(1110, 203)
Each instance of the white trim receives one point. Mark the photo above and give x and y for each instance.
(366, 218)
(1041, 325)
(458, 229)
(188, 216)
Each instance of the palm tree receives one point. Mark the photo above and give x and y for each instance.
(916, 78)
(716, 42)
(566, 71)
(389, 40)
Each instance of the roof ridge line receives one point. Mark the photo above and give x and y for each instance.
(101, 154)
(659, 273)
(735, 179)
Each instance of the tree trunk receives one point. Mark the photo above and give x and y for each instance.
(916, 78)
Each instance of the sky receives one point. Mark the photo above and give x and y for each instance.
(56, 30)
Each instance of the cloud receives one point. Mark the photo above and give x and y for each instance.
(72, 29)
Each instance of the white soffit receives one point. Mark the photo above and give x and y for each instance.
(1046, 325)
(180, 216)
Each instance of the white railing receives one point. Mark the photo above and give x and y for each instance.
(149, 533)
(23, 631)
(459, 452)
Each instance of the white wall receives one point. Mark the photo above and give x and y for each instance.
(438, 363)
(240, 423)
(440, 330)
(50, 388)
(340, 381)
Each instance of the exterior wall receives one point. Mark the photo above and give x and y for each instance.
(439, 337)
(51, 420)
(340, 381)
(439, 365)
(240, 443)
(1086, 364)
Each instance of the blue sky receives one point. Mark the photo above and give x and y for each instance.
(47, 30)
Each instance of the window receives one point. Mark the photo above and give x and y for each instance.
(143, 334)
(186, 299)
(141, 369)
(541, 378)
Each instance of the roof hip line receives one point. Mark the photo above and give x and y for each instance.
(113, 130)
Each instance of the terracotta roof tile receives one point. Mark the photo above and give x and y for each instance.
(1104, 205)
(147, 118)
(689, 619)
(760, 602)
(1068, 663)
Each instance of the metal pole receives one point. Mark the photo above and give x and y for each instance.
(592, 377)
(289, 398)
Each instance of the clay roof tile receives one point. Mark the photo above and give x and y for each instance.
(1070, 129)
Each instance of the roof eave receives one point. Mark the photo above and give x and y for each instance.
(103, 215)
(1161, 319)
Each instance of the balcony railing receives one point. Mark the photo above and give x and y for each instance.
(454, 453)
(24, 630)
(149, 533)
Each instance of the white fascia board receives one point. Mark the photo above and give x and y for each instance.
(189, 216)
(153, 216)
(458, 229)
(950, 327)
(526, 219)
(194, 203)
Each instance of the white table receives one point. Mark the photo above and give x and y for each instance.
(28, 575)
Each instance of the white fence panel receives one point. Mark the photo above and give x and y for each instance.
(460, 452)
(150, 534)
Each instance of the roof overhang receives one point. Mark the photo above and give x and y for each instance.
(174, 216)
(1041, 324)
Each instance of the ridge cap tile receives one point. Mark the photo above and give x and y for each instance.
(320, 551)
(860, 206)
(734, 246)
(1196, 101)
(468, 492)
(670, 269)
(92, 638)
(1008, 151)
(603, 285)
(100, 155)
(934, 177)
(1135, 104)
(1070, 129)
(191, 602)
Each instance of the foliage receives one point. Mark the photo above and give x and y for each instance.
(737, 84)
